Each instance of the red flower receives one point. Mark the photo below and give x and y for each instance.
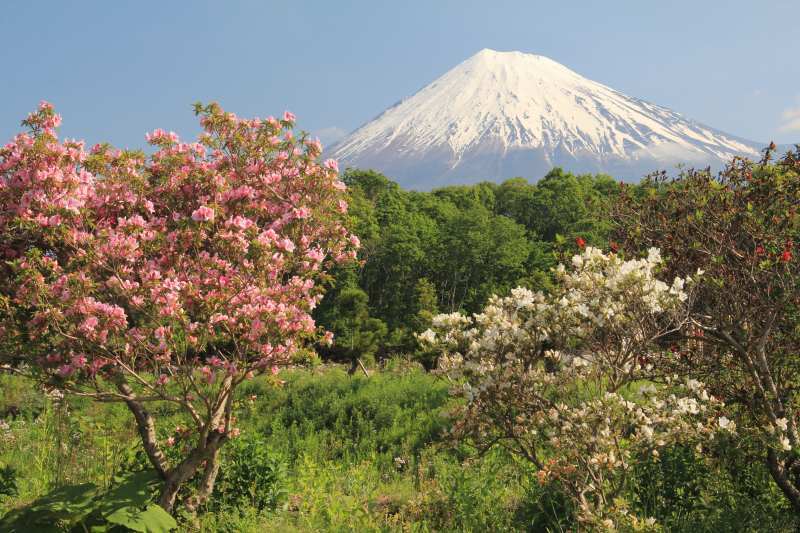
(786, 256)
(580, 242)
(759, 250)
(614, 246)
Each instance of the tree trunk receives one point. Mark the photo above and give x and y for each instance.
(781, 477)
(147, 430)
(207, 450)
(209, 478)
(188, 468)
(177, 477)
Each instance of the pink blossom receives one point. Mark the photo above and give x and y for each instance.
(315, 255)
(89, 324)
(302, 212)
(286, 244)
(239, 222)
(288, 116)
(208, 374)
(203, 214)
(327, 339)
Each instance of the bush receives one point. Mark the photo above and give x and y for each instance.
(250, 476)
(8, 481)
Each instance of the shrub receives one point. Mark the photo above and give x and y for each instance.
(250, 476)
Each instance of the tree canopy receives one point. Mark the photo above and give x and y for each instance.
(466, 242)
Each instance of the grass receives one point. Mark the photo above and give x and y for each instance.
(331, 452)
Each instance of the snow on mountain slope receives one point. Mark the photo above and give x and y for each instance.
(504, 114)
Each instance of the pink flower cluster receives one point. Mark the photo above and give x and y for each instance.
(118, 257)
(203, 214)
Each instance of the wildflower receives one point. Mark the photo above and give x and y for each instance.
(726, 424)
(203, 214)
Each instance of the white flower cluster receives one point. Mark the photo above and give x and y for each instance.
(602, 298)
(545, 371)
(778, 434)
(601, 285)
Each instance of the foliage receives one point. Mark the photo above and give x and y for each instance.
(8, 481)
(127, 504)
(356, 334)
(589, 397)
(250, 476)
(743, 337)
(337, 418)
(450, 249)
(338, 436)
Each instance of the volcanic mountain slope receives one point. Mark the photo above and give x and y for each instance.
(504, 114)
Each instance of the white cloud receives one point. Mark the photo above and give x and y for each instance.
(328, 136)
(790, 119)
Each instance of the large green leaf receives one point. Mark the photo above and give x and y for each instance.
(124, 504)
(153, 519)
(56, 511)
(130, 490)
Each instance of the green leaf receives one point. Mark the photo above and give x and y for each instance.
(133, 490)
(153, 519)
(59, 509)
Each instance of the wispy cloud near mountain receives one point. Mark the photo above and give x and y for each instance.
(331, 135)
(790, 118)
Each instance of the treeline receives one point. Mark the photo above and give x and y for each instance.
(450, 249)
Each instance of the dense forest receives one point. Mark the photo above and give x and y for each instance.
(450, 249)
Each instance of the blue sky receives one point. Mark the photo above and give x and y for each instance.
(115, 70)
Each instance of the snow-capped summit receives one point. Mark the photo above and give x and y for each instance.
(504, 114)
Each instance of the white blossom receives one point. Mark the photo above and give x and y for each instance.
(726, 424)
(428, 336)
(590, 333)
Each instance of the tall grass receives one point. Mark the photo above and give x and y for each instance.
(330, 452)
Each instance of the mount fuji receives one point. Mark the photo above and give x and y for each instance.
(503, 114)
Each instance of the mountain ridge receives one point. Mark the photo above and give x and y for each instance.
(502, 114)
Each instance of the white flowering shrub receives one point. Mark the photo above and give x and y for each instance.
(565, 379)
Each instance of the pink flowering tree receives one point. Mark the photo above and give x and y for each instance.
(168, 278)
